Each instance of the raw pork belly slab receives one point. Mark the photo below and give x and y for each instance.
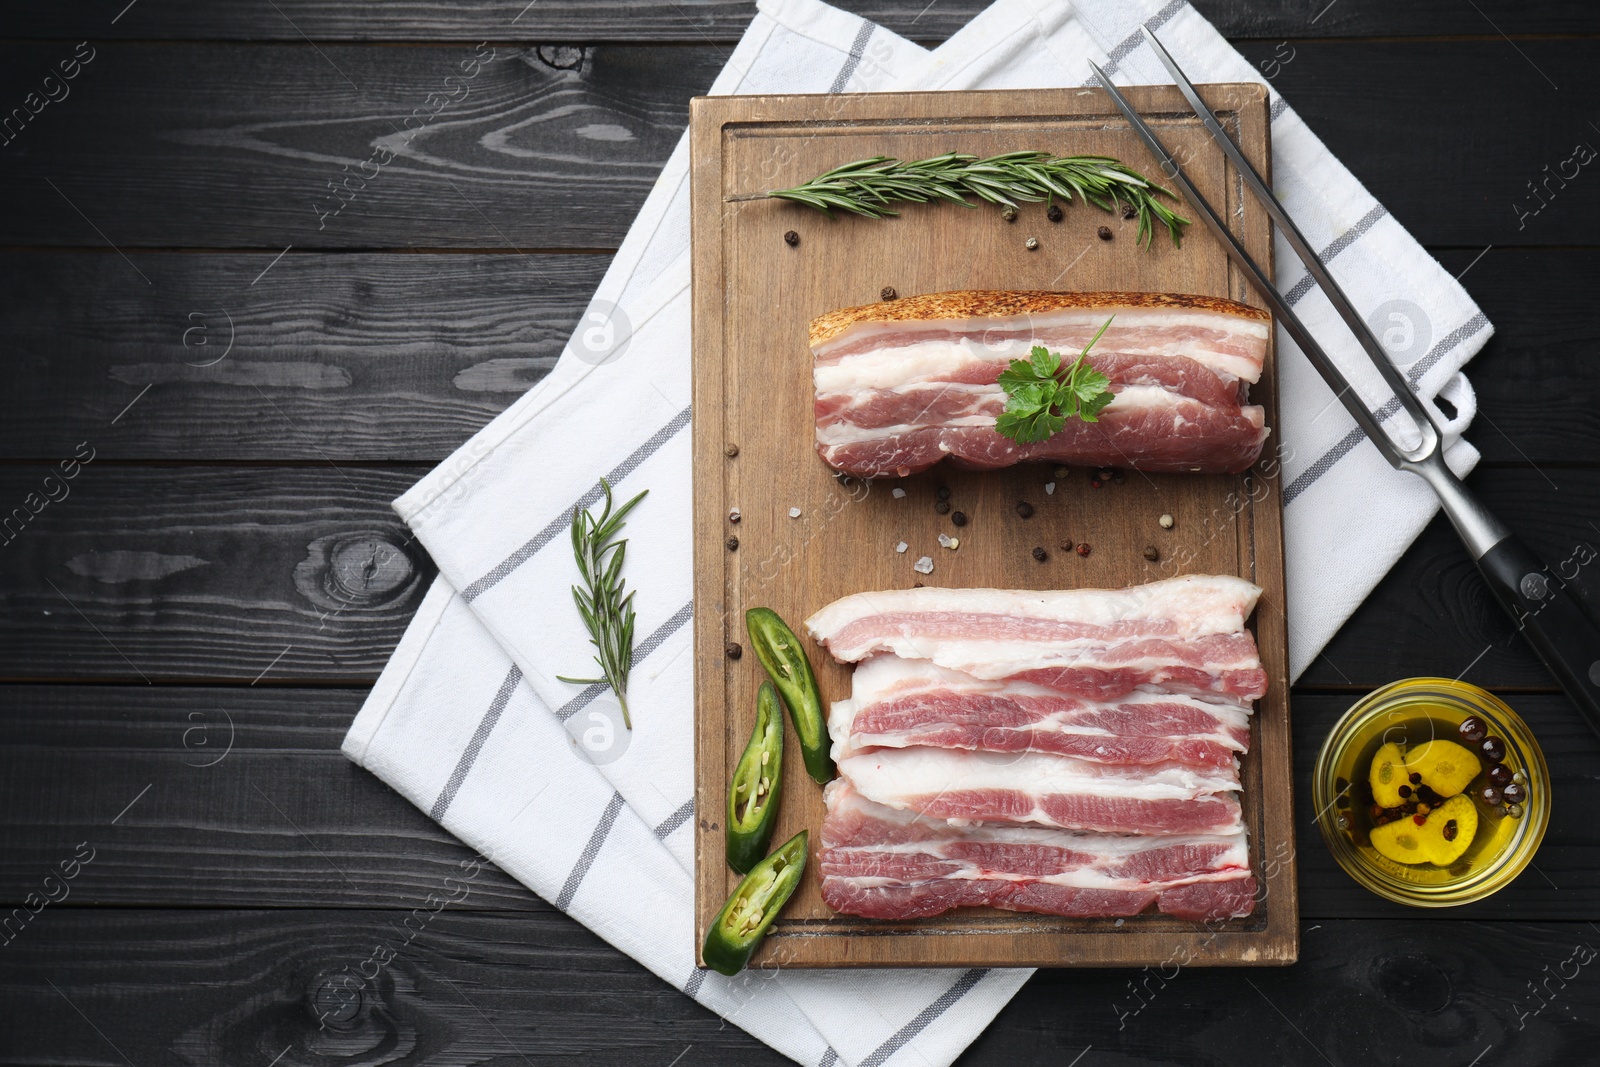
(886, 864)
(899, 703)
(1182, 635)
(1036, 787)
(903, 384)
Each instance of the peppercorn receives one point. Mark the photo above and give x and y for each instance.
(733, 544)
(943, 492)
(1009, 213)
(1118, 477)
(1405, 790)
(1375, 811)
(1419, 819)
(1450, 830)
(1054, 213)
(1129, 213)
(734, 515)
(1152, 553)
(1040, 554)
(731, 451)
(734, 651)
(1031, 244)
(1083, 548)
(1094, 483)
(1024, 509)
(1105, 233)
(1061, 472)
(1414, 778)
(942, 507)
(791, 238)
(958, 518)
(1066, 546)
(888, 293)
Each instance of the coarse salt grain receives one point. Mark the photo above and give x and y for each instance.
(901, 547)
(794, 513)
(923, 565)
(898, 493)
(1049, 488)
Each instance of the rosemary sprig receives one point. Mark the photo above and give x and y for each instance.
(866, 186)
(606, 612)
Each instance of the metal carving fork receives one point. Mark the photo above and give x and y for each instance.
(1544, 609)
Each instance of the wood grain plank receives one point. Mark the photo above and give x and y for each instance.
(237, 987)
(221, 145)
(282, 820)
(353, 346)
(210, 573)
(368, 356)
(244, 574)
(722, 20)
(753, 386)
(207, 797)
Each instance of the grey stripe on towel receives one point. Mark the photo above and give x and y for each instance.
(479, 736)
(640, 651)
(602, 830)
(925, 1017)
(675, 820)
(1125, 47)
(1308, 477)
(857, 47)
(563, 522)
(697, 978)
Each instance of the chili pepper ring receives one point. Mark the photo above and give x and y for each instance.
(757, 782)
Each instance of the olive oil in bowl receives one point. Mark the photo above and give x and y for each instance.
(1509, 794)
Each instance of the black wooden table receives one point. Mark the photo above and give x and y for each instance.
(240, 378)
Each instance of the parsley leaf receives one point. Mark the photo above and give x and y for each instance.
(1040, 398)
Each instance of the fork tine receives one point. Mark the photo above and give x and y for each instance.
(1314, 265)
(1263, 283)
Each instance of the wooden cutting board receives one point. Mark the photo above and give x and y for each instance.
(754, 295)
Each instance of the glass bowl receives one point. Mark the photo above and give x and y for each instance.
(1410, 712)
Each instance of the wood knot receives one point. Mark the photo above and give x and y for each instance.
(560, 56)
(335, 1000)
(1412, 983)
(356, 571)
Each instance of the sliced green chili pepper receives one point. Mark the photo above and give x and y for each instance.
(753, 796)
(743, 920)
(785, 660)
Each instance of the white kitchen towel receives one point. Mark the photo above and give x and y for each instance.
(452, 701)
(495, 515)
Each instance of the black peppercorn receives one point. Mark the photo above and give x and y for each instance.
(733, 544)
(1105, 233)
(942, 507)
(1024, 509)
(1152, 553)
(1450, 830)
(943, 492)
(1414, 778)
(1129, 213)
(1514, 793)
(734, 651)
(889, 293)
(958, 518)
(791, 238)
(1054, 214)
(1040, 554)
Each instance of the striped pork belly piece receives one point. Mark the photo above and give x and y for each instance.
(1183, 635)
(903, 384)
(899, 703)
(1047, 790)
(882, 863)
